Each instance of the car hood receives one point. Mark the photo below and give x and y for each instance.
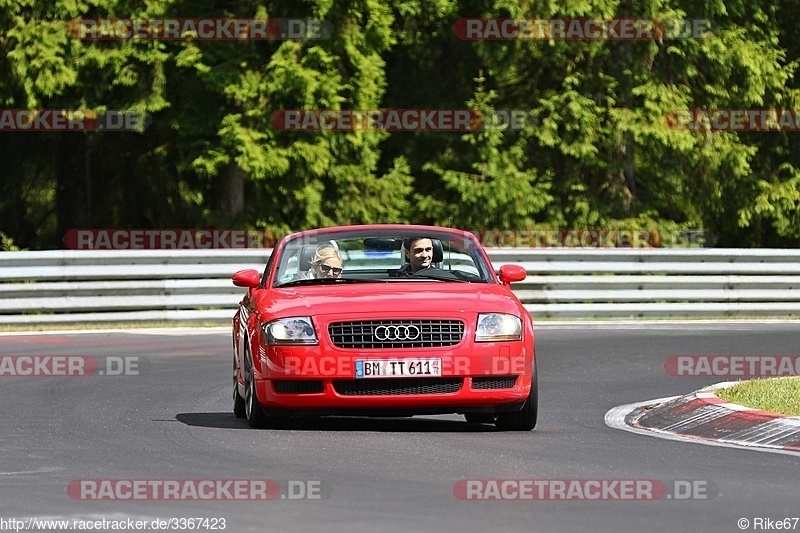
(396, 298)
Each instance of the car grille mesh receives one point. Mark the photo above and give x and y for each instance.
(495, 382)
(390, 387)
(387, 334)
(297, 386)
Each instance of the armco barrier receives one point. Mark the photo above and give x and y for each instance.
(657, 283)
(122, 285)
(195, 285)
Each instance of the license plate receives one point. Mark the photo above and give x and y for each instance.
(398, 368)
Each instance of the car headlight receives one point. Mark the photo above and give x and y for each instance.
(498, 327)
(294, 330)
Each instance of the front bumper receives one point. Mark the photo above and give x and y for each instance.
(484, 377)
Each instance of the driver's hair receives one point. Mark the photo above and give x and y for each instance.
(323, 254)
(408, 242)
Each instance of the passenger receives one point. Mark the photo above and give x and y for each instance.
(419, 255)
(327, 263)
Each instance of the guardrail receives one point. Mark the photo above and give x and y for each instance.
(195, 285)
(657, 283)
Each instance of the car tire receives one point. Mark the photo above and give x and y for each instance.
(479, 418)
(238, 402)
(525, 418)
(253, 412)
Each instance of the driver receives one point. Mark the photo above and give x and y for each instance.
(419, 254)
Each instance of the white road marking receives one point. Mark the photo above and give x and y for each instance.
(615, 419)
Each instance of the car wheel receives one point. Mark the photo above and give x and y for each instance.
(252, 408)
(238, 401)
(479, 418)
(525, 418)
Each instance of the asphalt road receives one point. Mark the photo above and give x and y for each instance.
(170, 419)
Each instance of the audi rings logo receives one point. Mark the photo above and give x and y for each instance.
(396, 333)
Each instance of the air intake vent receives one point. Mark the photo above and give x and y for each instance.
(498, 382)
(298, 386)
(400, 386)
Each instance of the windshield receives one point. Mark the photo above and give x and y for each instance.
(380, 256)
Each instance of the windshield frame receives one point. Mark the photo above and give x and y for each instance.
(452, 241)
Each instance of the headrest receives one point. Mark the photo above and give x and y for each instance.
(438, 251)
(305, 257)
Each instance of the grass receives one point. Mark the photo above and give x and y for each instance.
(776, 395)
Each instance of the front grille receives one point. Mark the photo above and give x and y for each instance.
(398, 386)
(396, 333)
(498, 382)
(298, 386)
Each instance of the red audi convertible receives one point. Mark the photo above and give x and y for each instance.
(383, 320)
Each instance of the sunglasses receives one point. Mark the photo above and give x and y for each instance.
(327, 268)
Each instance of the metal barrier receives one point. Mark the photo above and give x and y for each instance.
(195, 285)
(657, 283)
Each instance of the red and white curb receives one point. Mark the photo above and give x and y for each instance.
(705, 418)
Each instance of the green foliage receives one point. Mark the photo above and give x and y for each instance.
(598, 151)
(778, 201)
(496, 190)
(7, 243)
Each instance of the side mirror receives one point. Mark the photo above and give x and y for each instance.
(511, 273)
(247, 278)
